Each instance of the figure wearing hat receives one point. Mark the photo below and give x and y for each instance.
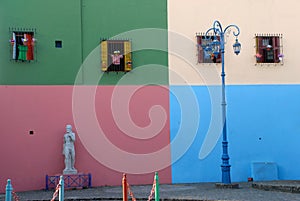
(116, 60)
(23, 50)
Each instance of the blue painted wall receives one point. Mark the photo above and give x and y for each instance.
(263, 126)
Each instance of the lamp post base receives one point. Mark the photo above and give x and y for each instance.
(222, 185)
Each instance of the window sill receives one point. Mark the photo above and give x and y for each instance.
(269, 64)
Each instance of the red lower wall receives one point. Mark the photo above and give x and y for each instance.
(26, 159)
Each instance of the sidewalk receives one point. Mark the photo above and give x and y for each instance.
(177, 192)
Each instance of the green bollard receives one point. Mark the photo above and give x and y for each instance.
(156, 186)
(61, 188)
(9, 189)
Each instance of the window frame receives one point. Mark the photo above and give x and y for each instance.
(107, 48)
(268, 49)
(22, 37)
(201, 57)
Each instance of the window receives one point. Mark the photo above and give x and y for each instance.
(268, 48)
(116, 55)
(22, 45)
(203, 56)
(58, 44)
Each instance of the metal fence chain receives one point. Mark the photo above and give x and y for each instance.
(130, 193)
(152, 191)
(55, 194)
(15, 196)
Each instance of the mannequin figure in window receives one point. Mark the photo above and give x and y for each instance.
(23, 50)
(213, 58)
(116, 61)
(269, 54)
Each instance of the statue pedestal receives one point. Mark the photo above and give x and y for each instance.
(70, 171)
(71, 181)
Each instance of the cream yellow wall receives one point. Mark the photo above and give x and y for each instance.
(186, 18)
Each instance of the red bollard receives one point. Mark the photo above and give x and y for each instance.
(125, 189)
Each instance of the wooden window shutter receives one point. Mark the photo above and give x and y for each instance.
(200, 49)
(259, 48)
(29, 44)
(104, 55)
(127, 55)
(276, 44)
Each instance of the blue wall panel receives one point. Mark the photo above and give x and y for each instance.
(189, 168)
(263, 126)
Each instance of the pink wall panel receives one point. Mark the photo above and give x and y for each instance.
(45, 110)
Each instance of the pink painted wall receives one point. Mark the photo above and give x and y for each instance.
(26, 159)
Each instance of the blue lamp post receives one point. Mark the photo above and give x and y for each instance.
(215, 47)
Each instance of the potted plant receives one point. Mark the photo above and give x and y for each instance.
(280, 56)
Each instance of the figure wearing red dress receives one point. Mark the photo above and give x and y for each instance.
(116, 61)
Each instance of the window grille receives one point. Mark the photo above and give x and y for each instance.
(116, 55)
(22, 44)
(203, 56)
(268, 48)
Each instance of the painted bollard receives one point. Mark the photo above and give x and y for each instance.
(9, 189)
(156, 178)
(61, 188)
(125, 190)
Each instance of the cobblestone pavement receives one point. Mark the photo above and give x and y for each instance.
(176, 192)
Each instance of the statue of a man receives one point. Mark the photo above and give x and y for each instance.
(69, 151)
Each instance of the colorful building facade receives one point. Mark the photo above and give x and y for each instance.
(161, 110)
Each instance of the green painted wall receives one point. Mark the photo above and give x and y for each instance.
(79, 24)
(53, 20)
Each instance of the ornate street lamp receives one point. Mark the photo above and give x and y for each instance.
(237, 47)
(217, 47)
